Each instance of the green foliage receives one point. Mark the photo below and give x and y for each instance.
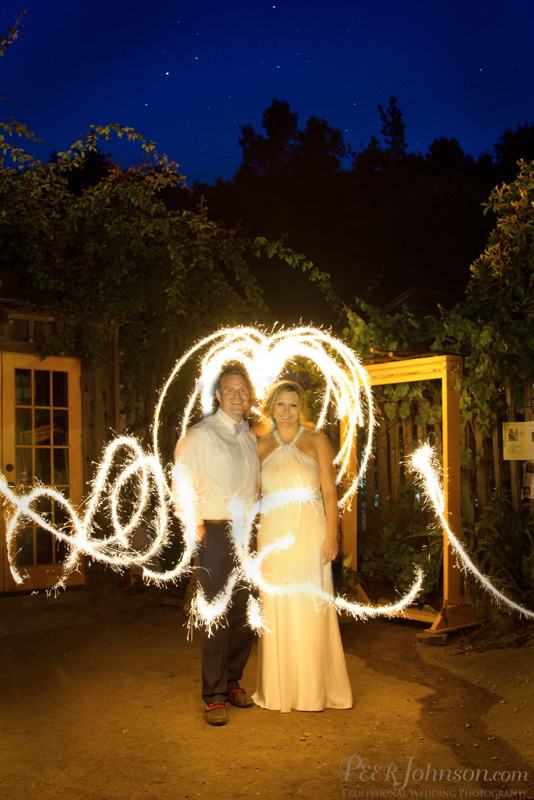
(6, 39)
(502, 280)
(114, 250)
(17, 155)
(400, 400)
(501, 544)
(370, 331)
(399, 333)
(298, 262)
(398, 548)
(492, 328)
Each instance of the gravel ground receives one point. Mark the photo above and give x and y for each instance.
(100, 700)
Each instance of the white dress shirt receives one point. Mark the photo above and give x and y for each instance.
(221, 464)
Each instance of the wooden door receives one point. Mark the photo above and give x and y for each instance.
(41, 443)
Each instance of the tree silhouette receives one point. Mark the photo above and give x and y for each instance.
(321, 147)
(512, 146)
(393, 129)
(446, 156)
(288, 151)
(272, 154)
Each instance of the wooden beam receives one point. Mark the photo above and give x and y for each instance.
(447, 369)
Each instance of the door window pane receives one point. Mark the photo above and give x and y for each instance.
(23, 387)
(43, 465)
(61, 427)
(61, 516)
(40, 450)
(42, 387)
(43, 506)
(42, 426)
(25, 547)
(61, 466)
(23, 464)
(62, 522)
(60, 390)
(62, 551)
(43, 550)
(23, 426)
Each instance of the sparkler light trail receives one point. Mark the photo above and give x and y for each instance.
(424, 462)
(127, 470)
(126, 466)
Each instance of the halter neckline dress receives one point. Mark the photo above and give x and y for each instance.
(301, 664)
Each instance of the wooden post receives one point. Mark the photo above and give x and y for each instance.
(498, 468)
(116, 377)
(349, 520)
(515, 474)
(528, 386)
(451, 469)
(482, 468)
(446, 369)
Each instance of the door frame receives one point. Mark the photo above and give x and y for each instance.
(43, 576)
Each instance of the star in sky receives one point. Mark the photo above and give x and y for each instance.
(464, 70)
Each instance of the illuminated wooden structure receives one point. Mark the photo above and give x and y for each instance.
(56, 414)
(445, 368)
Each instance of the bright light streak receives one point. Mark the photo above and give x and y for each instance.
(425, 463)
(127, 470)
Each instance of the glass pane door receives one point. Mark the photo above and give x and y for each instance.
(41, 423)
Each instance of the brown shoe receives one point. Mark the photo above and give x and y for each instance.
(216, 714)
(239, 698)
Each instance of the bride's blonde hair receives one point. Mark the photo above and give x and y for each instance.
(275, 392)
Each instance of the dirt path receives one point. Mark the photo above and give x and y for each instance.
(100, 700)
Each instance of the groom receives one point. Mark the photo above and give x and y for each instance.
(222, 457)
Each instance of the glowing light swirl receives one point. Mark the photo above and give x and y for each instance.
(424, 462)
(84, 536)
(265, 358)
(127, 469)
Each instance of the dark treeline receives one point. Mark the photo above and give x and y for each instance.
(389, 222)
(392, 221)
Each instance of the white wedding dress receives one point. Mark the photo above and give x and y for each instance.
(301, 664)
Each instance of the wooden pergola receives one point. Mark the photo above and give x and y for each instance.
(446, 368)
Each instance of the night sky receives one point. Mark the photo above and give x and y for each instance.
(187, 75)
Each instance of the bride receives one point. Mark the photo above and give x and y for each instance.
(301, 664)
